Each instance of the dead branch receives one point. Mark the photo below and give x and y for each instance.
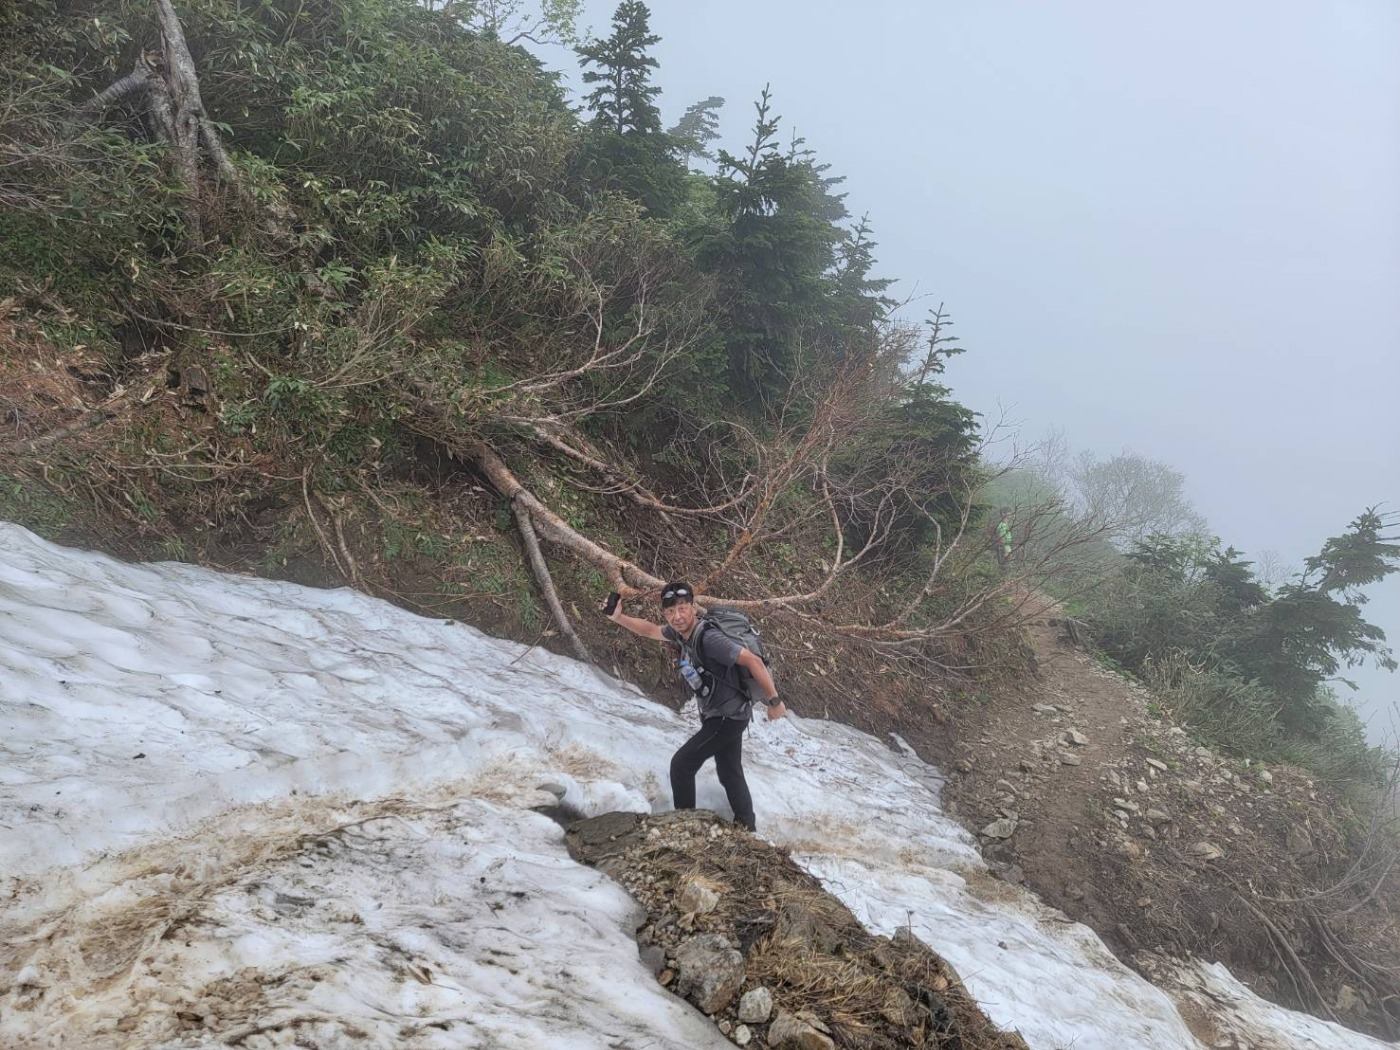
(565, 442)
(546, 582)
(347, 569)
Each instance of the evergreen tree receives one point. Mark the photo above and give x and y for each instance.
(860, 298)
(624, 99)
(626, 150)
(1314, 626)
(694, 132)
(1178, 593)
(772, 248)
(940, 345)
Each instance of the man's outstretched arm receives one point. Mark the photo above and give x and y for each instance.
(645, 628)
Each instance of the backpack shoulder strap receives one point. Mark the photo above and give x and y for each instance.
(694, 642)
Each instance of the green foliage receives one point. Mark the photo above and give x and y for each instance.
(625, 150)
(624, 100)
(1248, 668)
(772, 244)
(33, 506)
(927, 441)
(697, 128)
(420, 244)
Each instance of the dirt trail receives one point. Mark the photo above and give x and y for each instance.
(1079, 787)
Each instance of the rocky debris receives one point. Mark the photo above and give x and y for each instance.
(796, 1033)
(756, 1007)
(1003, 828)
(744, 934)
(1157, 841)
(695, 898)
(709, 972)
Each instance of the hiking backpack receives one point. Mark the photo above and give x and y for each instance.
(737, 627)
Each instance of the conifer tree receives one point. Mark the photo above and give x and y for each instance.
(624, 99)
(694, 132)
(626, 151)
(773, 250)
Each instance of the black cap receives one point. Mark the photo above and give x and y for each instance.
(676, 591)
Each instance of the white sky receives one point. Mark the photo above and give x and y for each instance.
(1173, 229)
(238, 809)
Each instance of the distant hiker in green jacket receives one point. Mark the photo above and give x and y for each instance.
(1003, 536)
(718, 670)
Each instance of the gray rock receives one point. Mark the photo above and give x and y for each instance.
(1070, 760)
(1161, 767)
(1045, 709)
(897, 1007)
(1349, 1001)
(653, 957)
(1205, 850)
(788, 1033)
(756, 1005)
(1000, 829)
(1074, 737)
(1159, 816)
(696, 898)
(709, 972)
(743, 1035)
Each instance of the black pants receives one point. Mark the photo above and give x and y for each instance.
(723, 740)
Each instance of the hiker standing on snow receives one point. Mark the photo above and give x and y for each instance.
(711, 664)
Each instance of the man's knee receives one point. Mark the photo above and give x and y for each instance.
(684, 764)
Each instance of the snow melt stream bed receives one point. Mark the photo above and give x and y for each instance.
(240, 812)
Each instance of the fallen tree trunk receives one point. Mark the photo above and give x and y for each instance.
(546, 582)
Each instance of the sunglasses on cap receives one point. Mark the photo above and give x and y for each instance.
(676, 593)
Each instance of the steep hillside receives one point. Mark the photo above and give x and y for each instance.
(1079, 787)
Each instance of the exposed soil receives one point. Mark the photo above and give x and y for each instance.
(1077, 787)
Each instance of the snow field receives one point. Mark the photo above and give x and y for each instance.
(262, 812)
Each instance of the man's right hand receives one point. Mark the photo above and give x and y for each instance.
(611, 606)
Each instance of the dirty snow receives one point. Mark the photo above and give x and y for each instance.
(238, 812)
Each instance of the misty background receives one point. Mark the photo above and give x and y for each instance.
(1174, 231)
